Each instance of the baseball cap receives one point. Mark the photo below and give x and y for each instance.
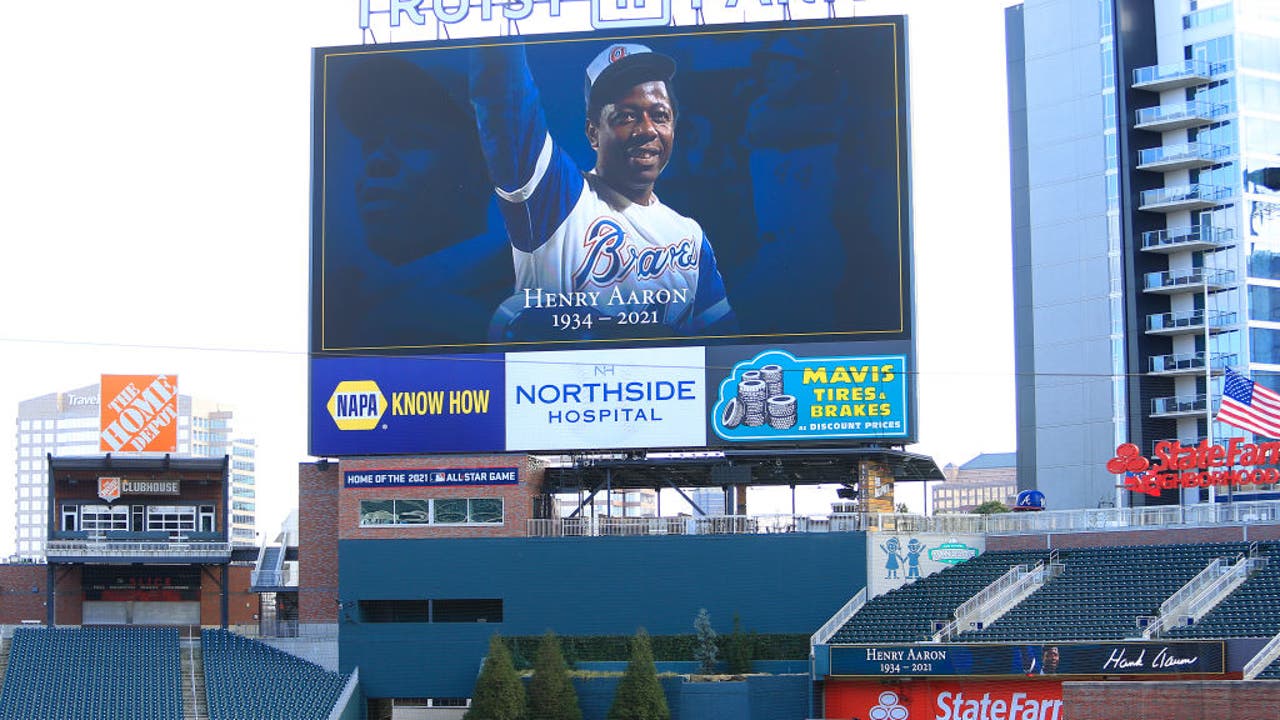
(622, 65)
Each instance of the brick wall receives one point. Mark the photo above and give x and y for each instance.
(318, 542)
(518, 499)
(1155, 536)
(1194, 700)
(17, 600)
(242, 605)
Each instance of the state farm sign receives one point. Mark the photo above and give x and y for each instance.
(138, 413)
(1174, 465)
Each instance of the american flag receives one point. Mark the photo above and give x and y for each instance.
(1249, 406)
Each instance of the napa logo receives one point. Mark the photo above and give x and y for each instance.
(357, 405)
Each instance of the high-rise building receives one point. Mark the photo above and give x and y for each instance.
(1145, 247)
(66, 423)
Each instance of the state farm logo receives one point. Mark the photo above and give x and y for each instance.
(1128, 459)
(109, 488)
(357, 405)
(889, 709)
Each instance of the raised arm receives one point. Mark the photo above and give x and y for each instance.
(537, 182)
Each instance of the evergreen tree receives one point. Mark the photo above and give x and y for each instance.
(705, 651)
(499, 693)
(737, 652)
(551, 693)
(639, 695)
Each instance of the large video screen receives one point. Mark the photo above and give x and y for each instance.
(721, 197)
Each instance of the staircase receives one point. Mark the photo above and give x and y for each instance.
(195, 703)
(5, 644)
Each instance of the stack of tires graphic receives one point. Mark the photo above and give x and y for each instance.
(759, 399)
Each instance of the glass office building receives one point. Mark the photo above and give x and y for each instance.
(1144, 238)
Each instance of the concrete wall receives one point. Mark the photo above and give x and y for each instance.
(580, 586)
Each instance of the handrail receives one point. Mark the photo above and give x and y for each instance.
(1201, 593)
(1263, 659)
(1019, 523)
(837, 621)
(191, 657)
(995, 597)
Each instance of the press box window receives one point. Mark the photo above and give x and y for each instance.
(485, 610)
(453, 511)
(395, 611)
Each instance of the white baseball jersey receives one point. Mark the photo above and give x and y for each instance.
(572, 235)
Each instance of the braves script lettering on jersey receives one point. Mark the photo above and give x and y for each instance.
(575, 241)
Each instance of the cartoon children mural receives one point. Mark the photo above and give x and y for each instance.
(915, 549)
(895, 558)
(891, 548)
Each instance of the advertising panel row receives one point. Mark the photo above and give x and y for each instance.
(683, 397)
(1075, 658)
(685, 188)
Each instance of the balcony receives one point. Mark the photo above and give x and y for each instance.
(1173, 407)
(1186, 442)
(1189, 322)
(1175, 117)
(1167, 158)
(1187, 364)
(1173, 282)
(1158, 78)
(1182, 197)
(121, 547)
(1194, 237)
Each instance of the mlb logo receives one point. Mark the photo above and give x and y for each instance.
(109, 488)
(437, 477)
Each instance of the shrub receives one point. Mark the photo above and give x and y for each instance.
(499, 693)
(551, 693)
(640, 695)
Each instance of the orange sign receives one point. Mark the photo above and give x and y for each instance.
(109, 488)
(138, 413)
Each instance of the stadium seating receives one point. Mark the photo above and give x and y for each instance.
(906, 614)
(1102, 592)
(1253, 610)
(91, 673)
(248, 679)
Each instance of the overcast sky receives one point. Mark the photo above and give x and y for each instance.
(154, 190)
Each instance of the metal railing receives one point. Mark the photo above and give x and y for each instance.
(1189, 319)
(1209, 152)
(1193, 109)
(1015, 523)
(1187, 277)
(837, 621)
(1184, 193)
(1173, 71)
(1187, 234)
(1263, 659)
(1188, 361)
(1180, 404)
(994, 600)
(81, 549)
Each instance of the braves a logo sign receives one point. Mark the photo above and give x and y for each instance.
(109, 488)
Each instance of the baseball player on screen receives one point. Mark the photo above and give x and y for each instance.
(600, 242)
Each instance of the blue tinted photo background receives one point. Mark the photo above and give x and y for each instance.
(790, 150)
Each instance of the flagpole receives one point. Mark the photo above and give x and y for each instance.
(1208, 383)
